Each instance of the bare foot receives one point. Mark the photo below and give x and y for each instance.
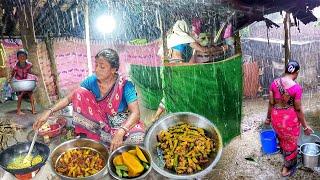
(20, 113)
(285, 171)
(16, 126)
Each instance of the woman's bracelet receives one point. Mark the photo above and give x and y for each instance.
(126, 130)
(305, 128)
(51, 111)
(223, 49)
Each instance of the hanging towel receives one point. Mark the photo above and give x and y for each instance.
(179, 34)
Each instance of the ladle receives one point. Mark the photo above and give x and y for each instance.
(27, 158)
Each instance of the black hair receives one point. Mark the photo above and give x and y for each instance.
(111, 56)
(292, 67)
(22, 51)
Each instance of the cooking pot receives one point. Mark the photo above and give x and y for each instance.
(19, 149)
(310, 154)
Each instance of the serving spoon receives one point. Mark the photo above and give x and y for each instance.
(28, 157)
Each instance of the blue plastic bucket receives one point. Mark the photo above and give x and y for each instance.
(268, 141)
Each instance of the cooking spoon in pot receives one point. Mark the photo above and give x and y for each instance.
(27, 159)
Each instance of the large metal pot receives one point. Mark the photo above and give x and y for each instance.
(182, 117)
(21, 149)
(311, 154)
(23, 85)
(80, 143)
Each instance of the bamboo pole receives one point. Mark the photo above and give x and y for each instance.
(29, 42)
(286, 22)
(88, 36)
(237, 44)
(163, 35)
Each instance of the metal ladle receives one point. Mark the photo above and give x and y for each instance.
(27, 158)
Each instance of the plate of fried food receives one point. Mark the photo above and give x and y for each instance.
(184, 145)
(80, 159)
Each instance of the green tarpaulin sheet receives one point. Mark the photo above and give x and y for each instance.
(213, 90)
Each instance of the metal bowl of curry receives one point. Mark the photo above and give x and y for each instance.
(184, 145)
(80, 159)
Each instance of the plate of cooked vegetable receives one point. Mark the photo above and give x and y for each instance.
(129, 162)
(80, 159)
(184, 145)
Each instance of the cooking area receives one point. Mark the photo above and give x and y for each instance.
(150, 89)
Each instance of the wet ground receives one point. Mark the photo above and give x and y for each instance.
(241, 158)
(233, 163)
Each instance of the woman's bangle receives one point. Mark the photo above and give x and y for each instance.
(51, 111)
(305, 128)
(126, 130)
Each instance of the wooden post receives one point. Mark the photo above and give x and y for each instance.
(163, 34)
(29, 42)
(237, 44)
(286, 22)
(86, 17)
(53, 63)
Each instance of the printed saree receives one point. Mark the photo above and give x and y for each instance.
(287, 126)
(100, 120)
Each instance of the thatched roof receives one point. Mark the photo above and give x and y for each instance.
(138, 18)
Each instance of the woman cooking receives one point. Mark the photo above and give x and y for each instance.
(286, 115)
(105, 106)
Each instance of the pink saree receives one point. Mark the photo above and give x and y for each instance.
(285, 121)
(99, 120)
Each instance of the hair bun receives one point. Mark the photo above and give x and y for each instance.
(292, 67)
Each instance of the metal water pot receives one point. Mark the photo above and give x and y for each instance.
(67, 111)
(310, 155)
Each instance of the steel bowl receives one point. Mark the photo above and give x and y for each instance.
(171, 120)
(23, 85)
(79, 143)
(112, 169)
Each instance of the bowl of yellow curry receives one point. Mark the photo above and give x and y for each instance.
(184, 145)
(80, 159)
(12, 158)
(129, 162)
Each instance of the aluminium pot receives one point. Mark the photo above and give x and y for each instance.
(310, 154)
(23, 85)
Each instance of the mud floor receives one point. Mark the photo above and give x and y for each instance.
(233, 163)
(241, 158)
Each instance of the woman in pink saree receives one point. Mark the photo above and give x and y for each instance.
(105, 105)
(286, 115)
